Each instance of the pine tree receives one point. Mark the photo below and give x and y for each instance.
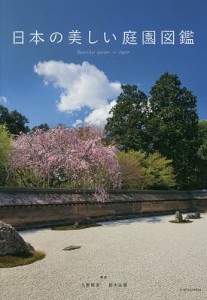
(173, 127)
(126, 127)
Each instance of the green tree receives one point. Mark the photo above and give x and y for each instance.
(4, 151)
(14, 121)
(173, 127)
(42, 126)
(202, 155)
(141, 171)
(127, 125)
(202, 135)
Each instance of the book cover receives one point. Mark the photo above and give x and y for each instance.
(65, 62)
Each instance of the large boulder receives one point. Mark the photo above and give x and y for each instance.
(11, 242)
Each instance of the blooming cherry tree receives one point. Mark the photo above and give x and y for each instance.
(65, 157)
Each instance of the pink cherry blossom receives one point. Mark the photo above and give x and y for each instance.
(65, 157)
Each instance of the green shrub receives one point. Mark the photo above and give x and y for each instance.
(140, 171)
(4, 151)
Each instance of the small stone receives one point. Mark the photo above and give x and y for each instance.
(71, 248)
(197, 215)
(84, 222)
(189, 217)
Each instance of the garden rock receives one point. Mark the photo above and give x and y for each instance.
(178, 217)
(84, 222)
(71, 248)
(196, 215)
(11, 242)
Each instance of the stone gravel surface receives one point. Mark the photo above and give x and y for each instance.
(146, 258)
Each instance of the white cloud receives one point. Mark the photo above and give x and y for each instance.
(3, 99)
(77, 123)
(99, 116)
(82, 86)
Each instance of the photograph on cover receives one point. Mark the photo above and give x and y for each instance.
(103, 149)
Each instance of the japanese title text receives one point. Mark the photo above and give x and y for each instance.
(130, 37)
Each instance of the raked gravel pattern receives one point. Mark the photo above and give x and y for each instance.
(147, 258)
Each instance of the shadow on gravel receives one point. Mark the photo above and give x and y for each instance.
(155, 219)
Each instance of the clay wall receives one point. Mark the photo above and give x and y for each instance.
(37, 208)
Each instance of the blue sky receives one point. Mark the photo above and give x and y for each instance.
(68, 83)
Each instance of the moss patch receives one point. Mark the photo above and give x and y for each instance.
(20, 259)
(71, 227)
(183, 222)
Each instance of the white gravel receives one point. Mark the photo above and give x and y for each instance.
(146, 258)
